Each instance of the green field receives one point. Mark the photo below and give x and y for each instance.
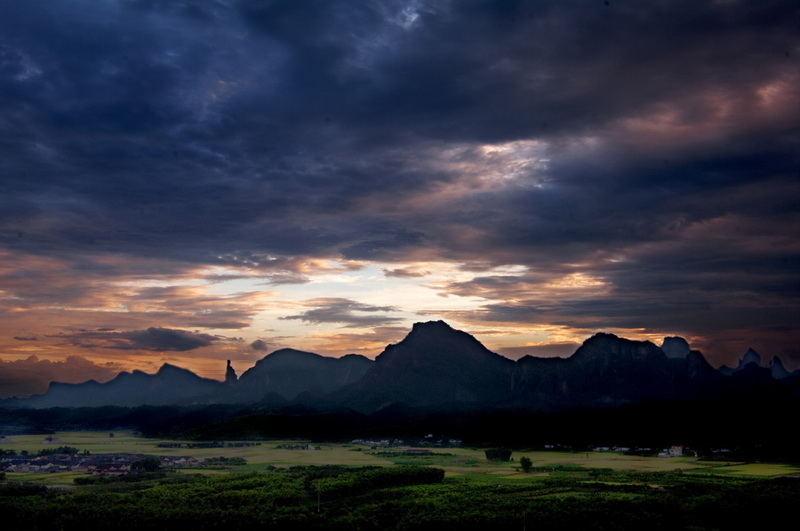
(350, 487)
(455, 461)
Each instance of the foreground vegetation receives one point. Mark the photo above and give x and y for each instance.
(296, 484)
(405, 498)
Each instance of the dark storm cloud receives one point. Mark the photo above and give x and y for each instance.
(260, 345)
(405, 272)
(152, 339)
(345, 311)
(210, 131)
(663, 144)
(163, 339)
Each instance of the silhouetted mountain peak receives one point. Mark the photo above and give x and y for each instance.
(298, 359)
(351, 357)
(610, 347)
(431, 326)
(675, 347)
(601, 341)
(606, 370)
(289, 372)
(230, 375)
(169, 385)
(777, 369)
(437, 343)
(284, 355)
(751, 356)
(434, 365)
(167, 369)
(288, 352)
(437, 366)
(434, 332)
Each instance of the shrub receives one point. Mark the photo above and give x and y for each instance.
(498, 454)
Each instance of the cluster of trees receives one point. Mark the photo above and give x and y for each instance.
(222, 462)
(498, 454)
(340, 482)
(69, 450)
(403, 499)
(148, 463)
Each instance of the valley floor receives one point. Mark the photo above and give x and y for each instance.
(303, 485)
(187, 456)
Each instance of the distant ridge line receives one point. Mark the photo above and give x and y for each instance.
(437, 366)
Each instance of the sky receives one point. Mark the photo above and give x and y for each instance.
(189, 182)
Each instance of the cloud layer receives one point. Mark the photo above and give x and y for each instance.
(634, 163)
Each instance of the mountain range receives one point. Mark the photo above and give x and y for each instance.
(436, 367)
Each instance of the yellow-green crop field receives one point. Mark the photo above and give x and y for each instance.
(757, 469)
(455, 461)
